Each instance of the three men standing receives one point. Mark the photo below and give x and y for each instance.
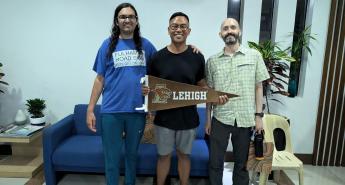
(236, 70)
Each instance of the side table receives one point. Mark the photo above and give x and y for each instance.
(26, 159)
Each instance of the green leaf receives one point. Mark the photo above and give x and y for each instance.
(309, 50)
(277, 101)
(2, 82)
(311, 37)
(36, 107)
(284, 93)
(284, 81)
(278, 85)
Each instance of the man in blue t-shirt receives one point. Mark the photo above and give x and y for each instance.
(120, 63)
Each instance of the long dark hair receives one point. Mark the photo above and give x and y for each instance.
(115, 31)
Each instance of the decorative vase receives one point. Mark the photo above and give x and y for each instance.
(20, 118)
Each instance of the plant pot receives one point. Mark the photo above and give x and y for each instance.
(38, 121)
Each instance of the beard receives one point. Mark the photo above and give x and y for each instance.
(231, 39)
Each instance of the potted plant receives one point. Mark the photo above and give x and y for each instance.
(300, 44)
(35, 108)
(2, 82)
(275, 60)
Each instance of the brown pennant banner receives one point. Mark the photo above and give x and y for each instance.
(167, 94)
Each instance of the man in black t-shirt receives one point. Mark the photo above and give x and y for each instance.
(177, 126)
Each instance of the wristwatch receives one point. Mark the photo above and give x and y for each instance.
(259, 114)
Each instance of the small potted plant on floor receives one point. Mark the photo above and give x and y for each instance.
(35, 108)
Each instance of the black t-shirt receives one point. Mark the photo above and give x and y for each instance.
(186, 67)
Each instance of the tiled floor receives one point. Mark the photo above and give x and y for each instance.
(313, 175)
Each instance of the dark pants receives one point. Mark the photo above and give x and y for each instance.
(219, 137)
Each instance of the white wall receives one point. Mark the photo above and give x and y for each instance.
(250, 21)
(48, 49)
(302, 109)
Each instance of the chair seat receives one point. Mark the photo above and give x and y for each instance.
(284, 159)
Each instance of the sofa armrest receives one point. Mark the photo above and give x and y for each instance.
(56, 133)
(52, 137)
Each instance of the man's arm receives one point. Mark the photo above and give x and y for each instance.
(258, 106)
(95, 94)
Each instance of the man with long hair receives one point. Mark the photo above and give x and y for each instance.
(119, 64)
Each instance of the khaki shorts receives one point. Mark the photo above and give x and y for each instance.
(167, 139)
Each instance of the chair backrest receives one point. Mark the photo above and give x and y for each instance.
(80, 120)
(202, 118)
(272, 122)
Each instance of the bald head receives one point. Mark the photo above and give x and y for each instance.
(230, 21)
(230, 31)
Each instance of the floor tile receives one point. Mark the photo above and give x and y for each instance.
(13, 181)
(313, 175)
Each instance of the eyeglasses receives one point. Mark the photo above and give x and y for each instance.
(174, 27)
(124, 17)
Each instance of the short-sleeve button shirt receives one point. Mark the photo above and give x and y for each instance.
(236, 74)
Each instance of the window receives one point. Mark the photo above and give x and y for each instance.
(266, 20)
(234, 9)
(295, 67)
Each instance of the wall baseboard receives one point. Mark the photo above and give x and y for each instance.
(305, 158)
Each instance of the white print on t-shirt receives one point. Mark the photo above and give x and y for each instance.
(126, 58)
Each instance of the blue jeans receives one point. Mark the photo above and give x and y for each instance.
(113, 126)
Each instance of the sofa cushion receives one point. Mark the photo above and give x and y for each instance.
(80, 151)
(86, 152)
(147, 159)
(199, 156)
(200, 134)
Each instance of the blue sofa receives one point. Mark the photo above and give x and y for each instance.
(69, 147)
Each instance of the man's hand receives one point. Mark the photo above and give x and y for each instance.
(208, 127)
(150, 115)
(195, 49)
(222, 100)
(145, 90)
(258, 124)
(91, 121)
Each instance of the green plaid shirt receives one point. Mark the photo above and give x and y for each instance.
(237, 74)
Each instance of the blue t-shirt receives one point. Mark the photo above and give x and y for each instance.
(122, 73)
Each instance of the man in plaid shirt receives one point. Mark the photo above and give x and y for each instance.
(240, 71)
